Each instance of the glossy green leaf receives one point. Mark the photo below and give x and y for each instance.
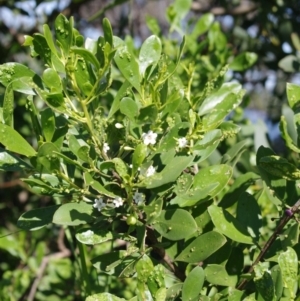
(229, 225)
(286, 136)
(10, 162)
(52, 80)
(87, 56)
(170, 173)
(217, 275)
(243, 61)
(288, 263)
(37, 218)
(129, 108)
(116, 103)
(290, 236)
(153, 210)
(220, 111)
(20, 77)
(63, 33)
(14, 142)
(202, 247)
(239, 186)
(280, 167)
(108, 34)
(211, 138)
(84, 76)
(248, 214)
(97, 185)
(147, 114)
(277, 280)
(8, 106)
(121, 168)
(192, 285)
(218, 97)
(277, 184)
(150, 53)
(47, 158)
(138, 157)
(73, 214)
(49, 39)
(208, 182)
(175, 224)
(203, 25)
(293, 96)
(93, 236)
(41, 48)
(128, 66)
(144, 268)
(264, 283)
(48, 123)
(174, 291)
(56, 102)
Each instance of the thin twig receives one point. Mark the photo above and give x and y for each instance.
(64, 252)
(283, 221)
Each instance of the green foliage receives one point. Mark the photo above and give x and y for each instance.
(147, 172)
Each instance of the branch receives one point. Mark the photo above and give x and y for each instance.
(283, 221)
(64, 252)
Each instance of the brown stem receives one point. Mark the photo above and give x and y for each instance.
(162, 253)
(283, 221)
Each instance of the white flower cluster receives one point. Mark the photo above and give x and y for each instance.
(106, 147)
(138, 198)
(99, 203)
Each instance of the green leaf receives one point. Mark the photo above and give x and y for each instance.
(228, 225)
(138, 157)
(97, 185)
(202, 247)
(203, 25)
(47, 158)
(218, 97)
(73, 214)
(144, 268)
(170, 173)
(128, 66)
(94, 236)
(277, 281)
(129, 108)
(52, 80)
(63, 33)
(87, 55)
(37, 218)
(150, 53)
(248, 214)
(14, 142)
(10, 162)
(8, 106)
(286, 137)
(280, 167)
(49, 39)
(243, 61)
(175, 224)
(48, 123)
(108, 34)
(239, 186)
(217, 275)
(264, 283)
(116, 103)
(147, 114)
(288, 263)
(207, 183)
(104, 297)
(192, 285)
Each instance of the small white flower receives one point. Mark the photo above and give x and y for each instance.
(182, 142)
(138, 198)
(150, 171)
(130, 166)
(105, 147)
(118, 201)
(99, 204)
(119, 125)
(149, 138)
